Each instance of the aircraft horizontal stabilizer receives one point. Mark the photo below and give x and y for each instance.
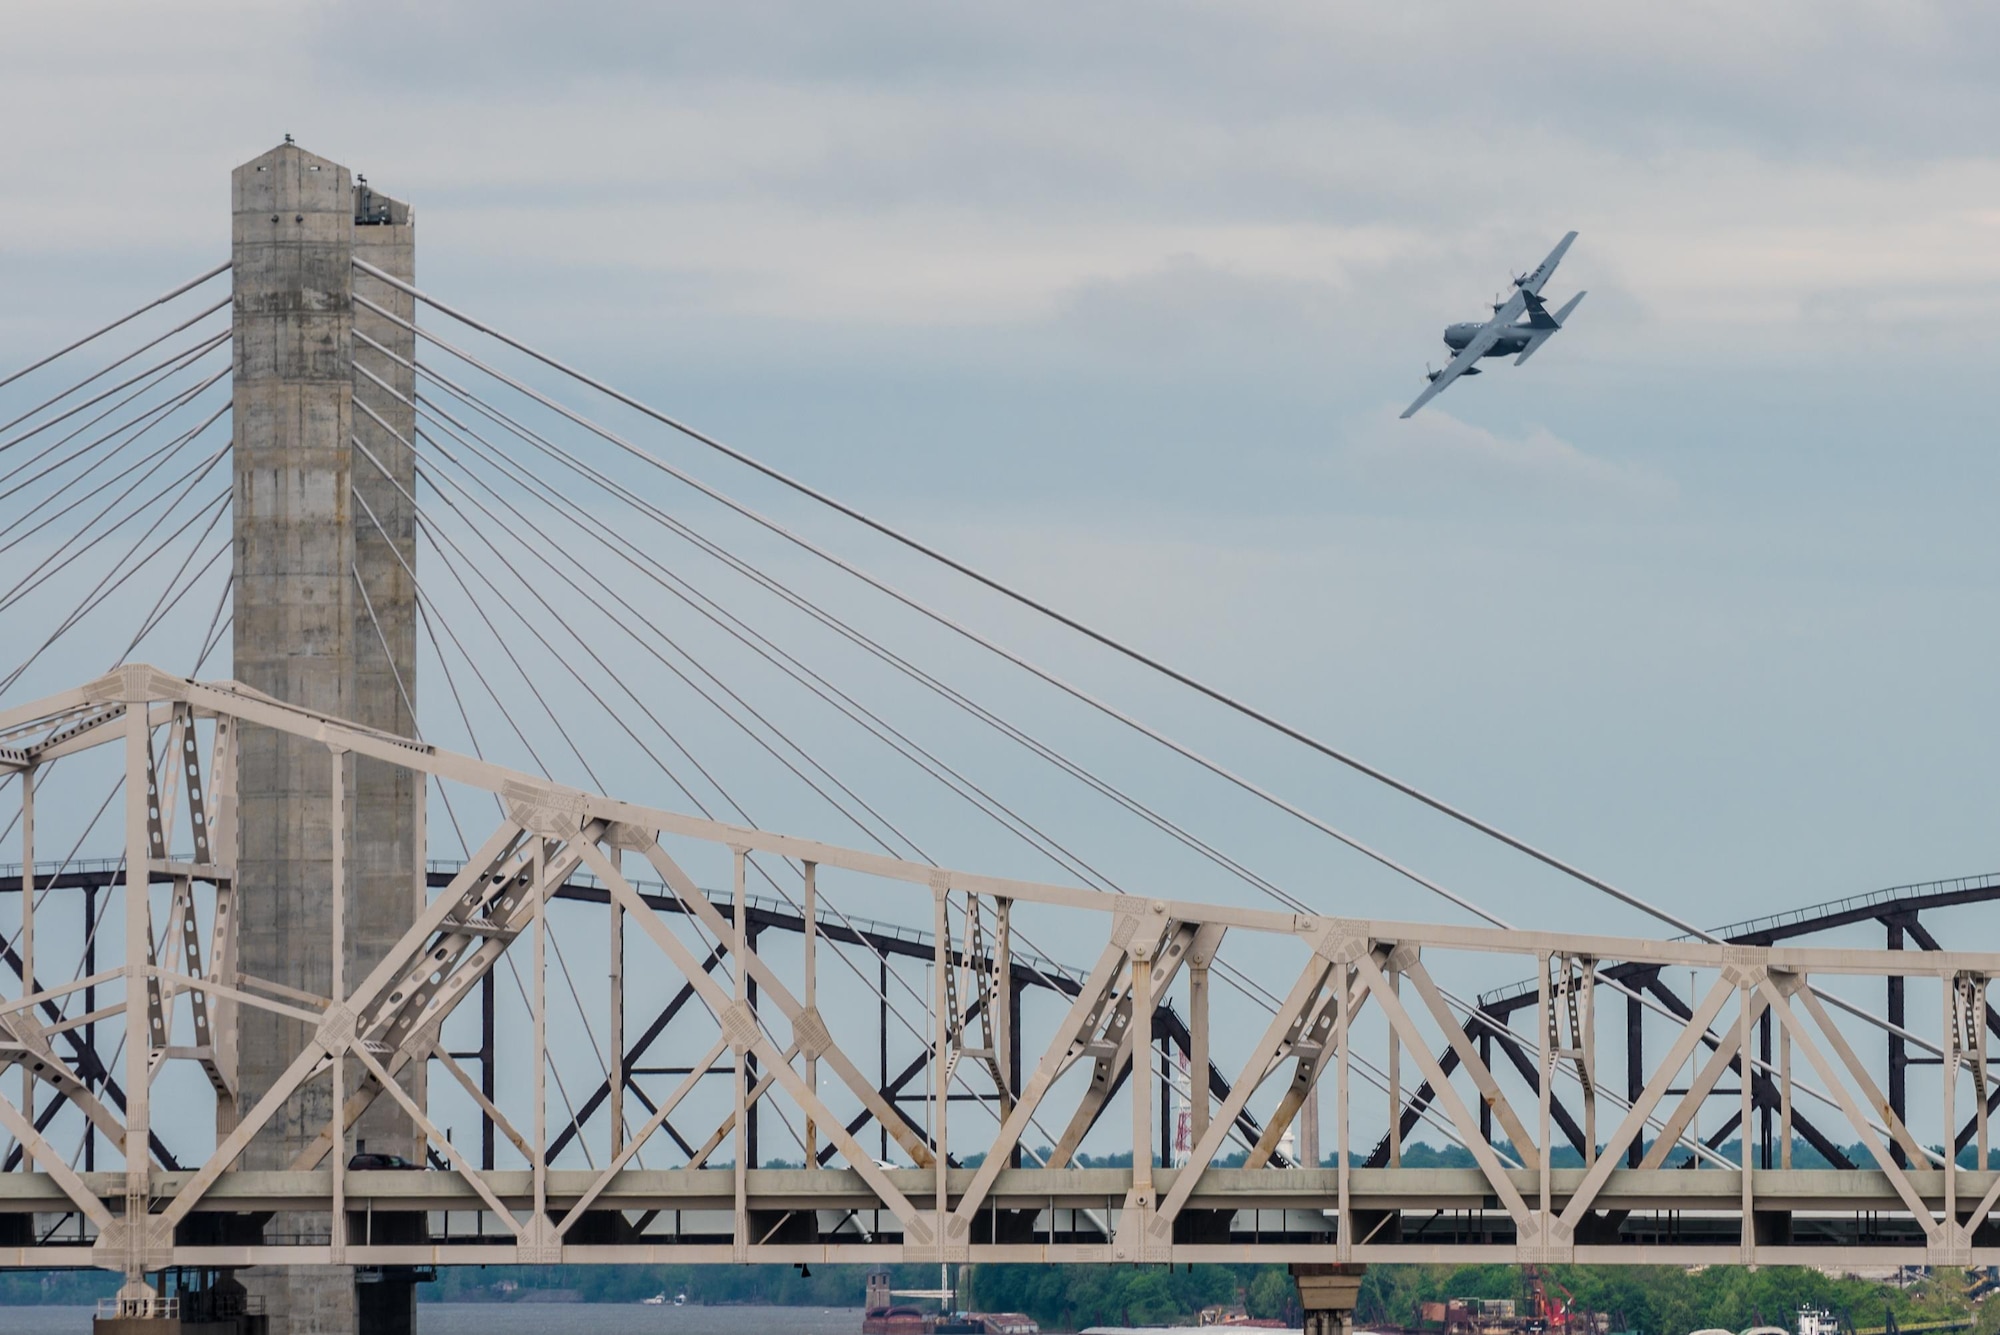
(1542, 331)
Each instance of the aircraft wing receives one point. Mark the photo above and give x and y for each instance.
(1533, 282)
(1471, 352)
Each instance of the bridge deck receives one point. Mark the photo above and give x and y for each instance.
(1464, 1190)
(1648, 1216)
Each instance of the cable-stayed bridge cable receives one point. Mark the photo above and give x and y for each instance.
(1248, 711)
(677, 585)
(429, 530)
(1409, 790)
(109, 367)
(1025, 600)
(139, 426)
(827, 903)
(665, 577)
(151, 463)
(771, 653)
(129, 316)
(1076, 692)
(168, 364)
(34, 578)
(105, 587)
(1267, 1002)
(561, 620)
(422, 599)
(163, 605)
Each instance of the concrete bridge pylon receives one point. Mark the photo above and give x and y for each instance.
(325, 618)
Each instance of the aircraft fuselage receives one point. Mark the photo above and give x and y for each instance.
(1456, 336)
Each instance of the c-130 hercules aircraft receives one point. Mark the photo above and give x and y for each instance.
(1506, 333)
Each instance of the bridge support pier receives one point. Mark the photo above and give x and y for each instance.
(1327, 1294)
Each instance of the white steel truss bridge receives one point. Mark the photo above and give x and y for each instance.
(1345, 986)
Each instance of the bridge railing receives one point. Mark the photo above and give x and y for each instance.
(1807, 919)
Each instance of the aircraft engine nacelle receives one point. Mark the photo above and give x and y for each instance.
(1470, 370)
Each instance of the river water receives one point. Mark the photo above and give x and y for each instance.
(539, 1319)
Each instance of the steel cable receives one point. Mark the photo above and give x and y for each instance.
(866, 982)
(109, 367)
(171, 363)
(653, 569)
(1076, 692)
(1341, 757)
(157, 411)
(1101, 706)
(1227, 971)
(562, 620)
(41, 573)
(990, 582)
(160, 300)
(814, 682)
(103, 591)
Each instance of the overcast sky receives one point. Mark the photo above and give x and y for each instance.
(1121, 302)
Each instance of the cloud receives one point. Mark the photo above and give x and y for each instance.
(905, 166)
(1437, 454)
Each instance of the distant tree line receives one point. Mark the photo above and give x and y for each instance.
(1645, 1300)
(1671, 1300)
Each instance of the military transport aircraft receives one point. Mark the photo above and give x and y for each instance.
(1506, 333)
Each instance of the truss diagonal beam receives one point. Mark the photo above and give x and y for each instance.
(1469, 1058)
(1065, 1047)
(49, 1161)
(652, 1124)
(1642, 1107)
(1774, 989)
(633, 1054)
(1264, 1056)
(437, 1138)
(1113, 1055)
(721, 1003)
(773, 987)
(1461, 1119)
(1726, 1056)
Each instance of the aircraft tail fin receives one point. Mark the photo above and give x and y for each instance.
(1544, 323)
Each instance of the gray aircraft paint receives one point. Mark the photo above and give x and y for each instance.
(1506, 334)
